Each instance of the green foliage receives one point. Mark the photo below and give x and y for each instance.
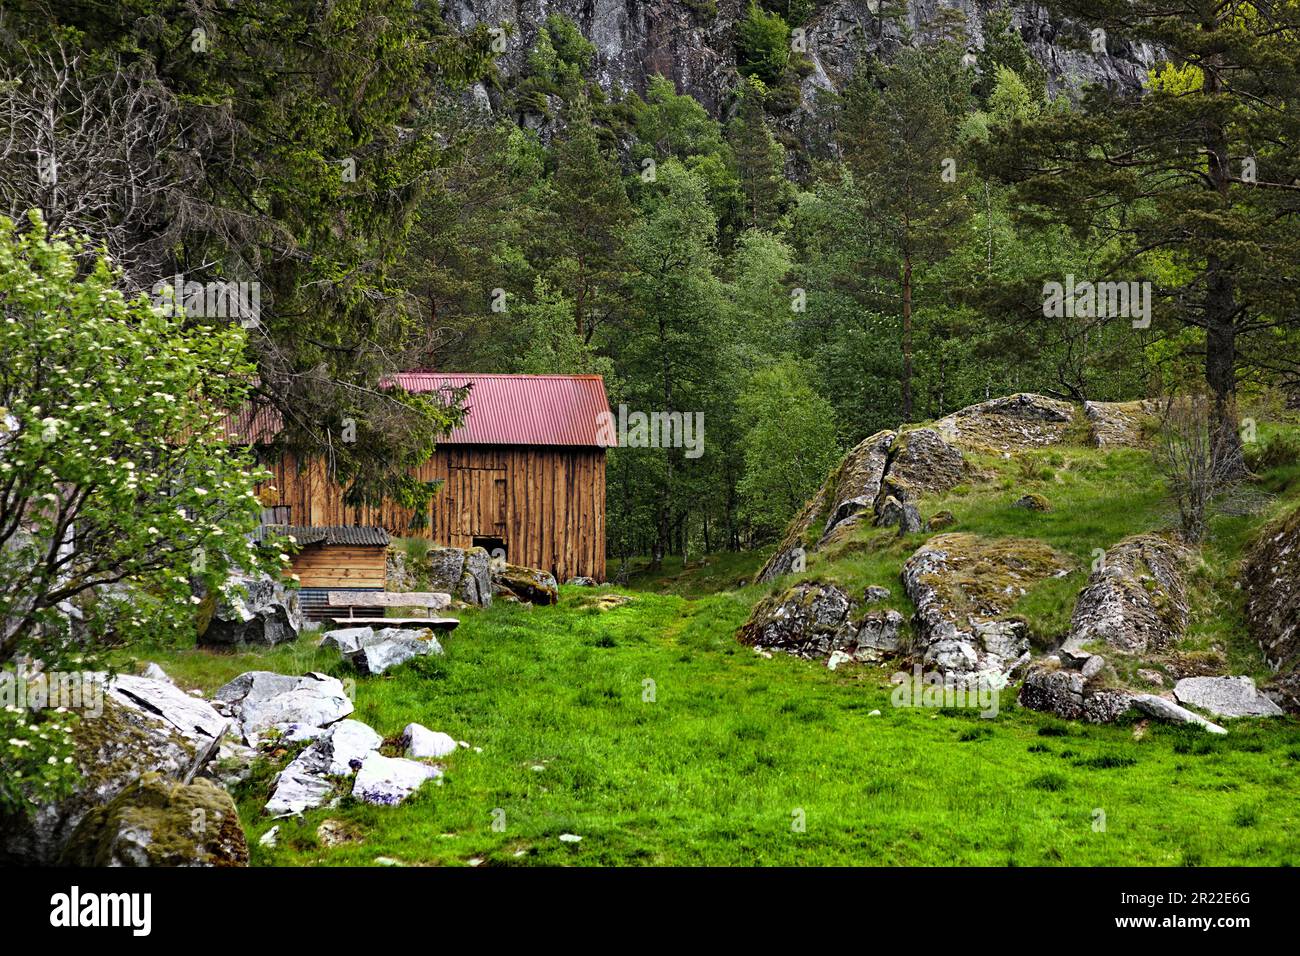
(788, 445)
(762, 44)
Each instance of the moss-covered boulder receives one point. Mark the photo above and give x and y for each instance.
(1013, 423)
(1136, 600)
(964, 587)
(111, 751)
(527, 584)
(1032, 502)
(156, 821)
(1270, 575)
(1070, 694)
(814, 620)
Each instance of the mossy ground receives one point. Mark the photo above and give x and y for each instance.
(649, 731)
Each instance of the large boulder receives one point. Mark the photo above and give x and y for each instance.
(1070, 694)
(261, 700)
(963, 588)
(464, 573)
(803, 620)
(155, 821)
(812, 620)
(921, 462)
(1136, 599)
(1225, 697)
(393, 646)
(253, 611)
(527, 584)
(111, 751)
(1013, 423)
(1270, 575)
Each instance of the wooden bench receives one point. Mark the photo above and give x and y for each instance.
(429, 600)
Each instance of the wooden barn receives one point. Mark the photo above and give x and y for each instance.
(524, 476)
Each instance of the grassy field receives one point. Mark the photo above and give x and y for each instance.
(646, 730)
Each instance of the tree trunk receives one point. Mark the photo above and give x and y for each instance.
(907, 337)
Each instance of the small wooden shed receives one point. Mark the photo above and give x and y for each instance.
(336, 558)
(524, 476)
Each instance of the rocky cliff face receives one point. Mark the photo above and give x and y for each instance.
(692, 42)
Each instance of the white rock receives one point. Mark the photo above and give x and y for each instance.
(193, 719)
(388, 781)
(153, 672)
(570, 838)
(379, 656)
(420, 741)
(263, 699)
(836, 659)
(1225, 696)
(348, 640)
(268, 838)
(306, 783)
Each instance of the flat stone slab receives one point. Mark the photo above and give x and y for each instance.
(1225, 696)
(1162, 709)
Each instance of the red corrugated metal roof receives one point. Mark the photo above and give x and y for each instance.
(522, 409)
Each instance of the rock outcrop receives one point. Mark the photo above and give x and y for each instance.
(881, 478)
(1136, 600)
(693, 44)
(1270, 575)
(155, 821)
(1053, 688)
(253, 611)
(964, 587)
(1013, 423)
(921, 462)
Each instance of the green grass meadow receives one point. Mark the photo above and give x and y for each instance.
(649, 732)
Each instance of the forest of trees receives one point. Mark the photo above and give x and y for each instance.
(802, 295)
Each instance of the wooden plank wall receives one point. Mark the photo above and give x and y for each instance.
(339, 567)
(551, 513)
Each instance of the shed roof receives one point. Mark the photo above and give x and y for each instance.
(521, 409)
(334, 535)
(501, 409)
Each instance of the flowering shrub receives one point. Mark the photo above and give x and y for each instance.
(119, 489)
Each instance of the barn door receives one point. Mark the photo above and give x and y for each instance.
(480, 501)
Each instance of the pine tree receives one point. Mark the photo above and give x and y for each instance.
(1193, 185)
